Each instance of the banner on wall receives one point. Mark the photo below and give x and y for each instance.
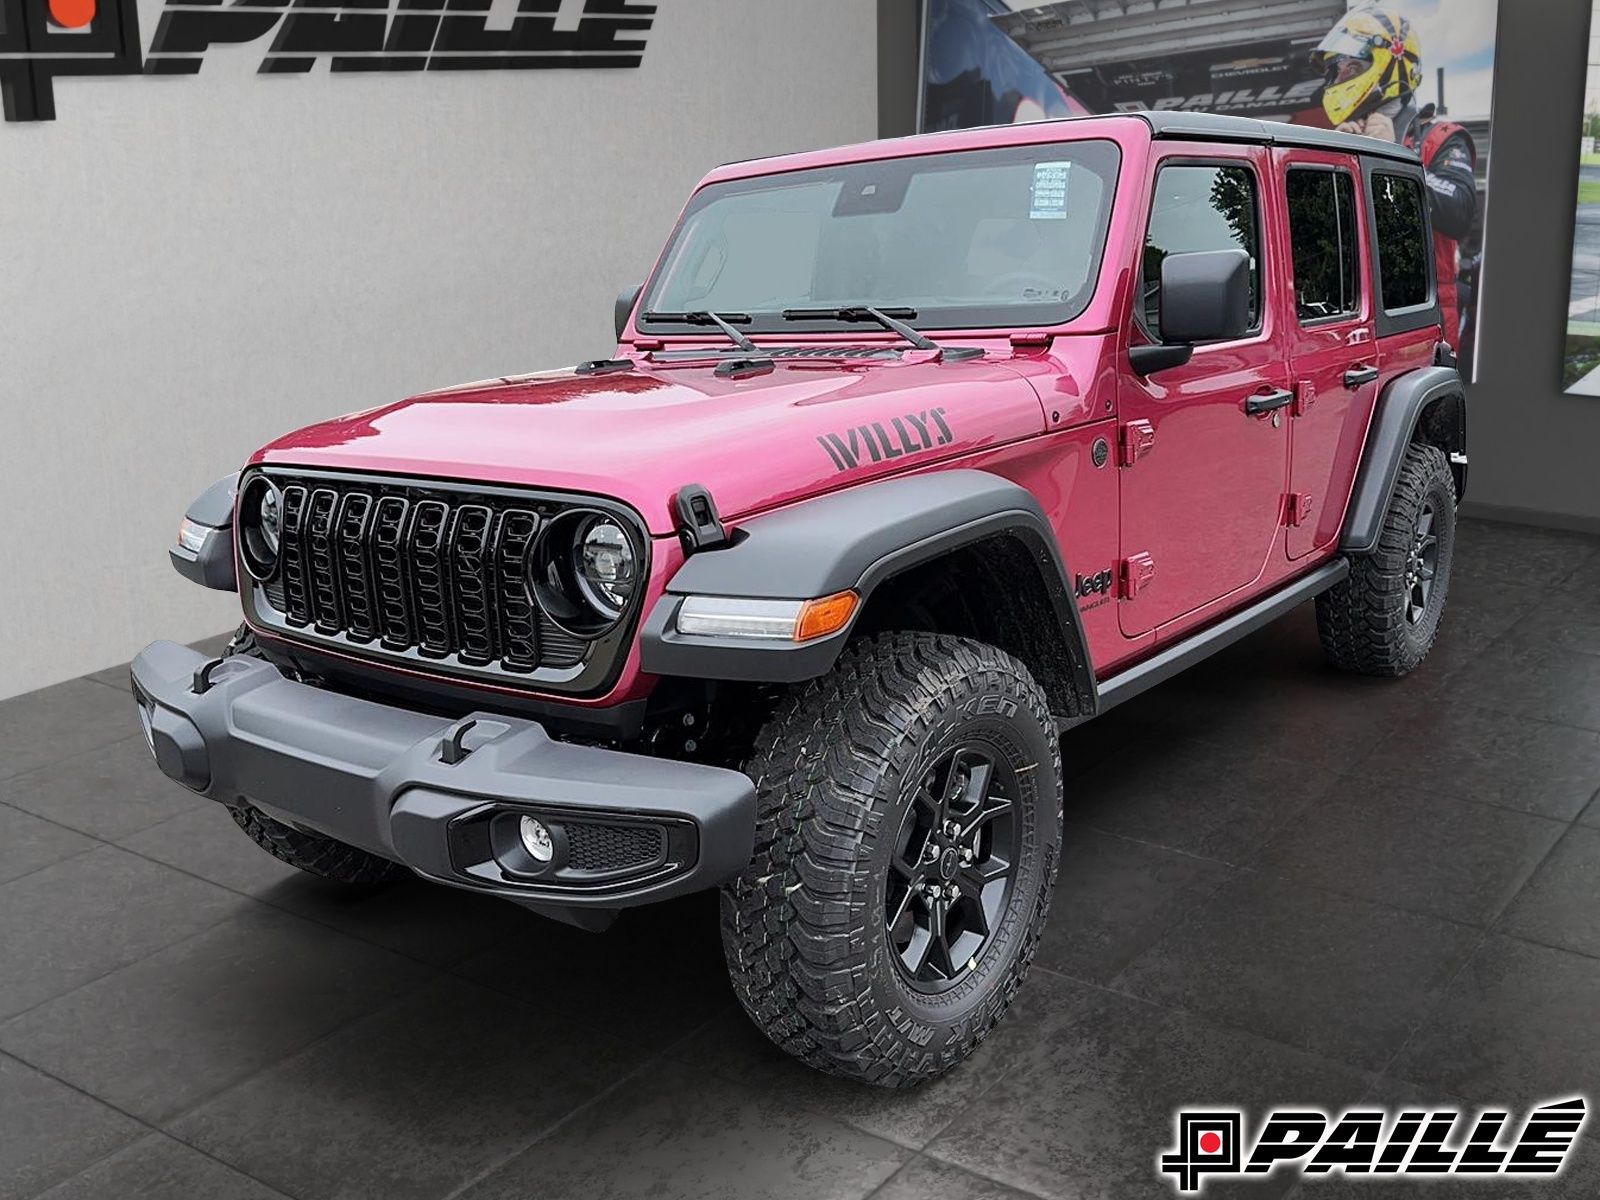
(1418, 71)
(1580, 370)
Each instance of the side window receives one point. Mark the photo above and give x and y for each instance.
(1201, 208)
(1322, 233)
(1402, 240)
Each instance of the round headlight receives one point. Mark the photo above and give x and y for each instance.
(604, 566)
(260, 527)
(270, 516)
(584, 572)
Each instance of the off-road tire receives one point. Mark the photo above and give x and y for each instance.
(1363, 619)
(835, 767)
(315, 855)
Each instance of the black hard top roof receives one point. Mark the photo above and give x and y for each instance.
(1207, 127)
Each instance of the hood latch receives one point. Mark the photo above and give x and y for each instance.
(699, 526)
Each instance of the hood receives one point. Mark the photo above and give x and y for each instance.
(641, 434)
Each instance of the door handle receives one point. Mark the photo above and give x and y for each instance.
(1359, 377)
(1265, 402)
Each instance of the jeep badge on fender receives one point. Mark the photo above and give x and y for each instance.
(792, 591)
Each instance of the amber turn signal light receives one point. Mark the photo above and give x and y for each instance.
(828, 614)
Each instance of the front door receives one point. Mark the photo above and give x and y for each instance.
(1330, 340)
(1202, 505)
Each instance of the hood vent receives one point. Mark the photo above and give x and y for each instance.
(879, 353)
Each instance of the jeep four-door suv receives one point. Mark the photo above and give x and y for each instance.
(909, 457)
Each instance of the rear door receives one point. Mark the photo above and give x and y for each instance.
(1202, 482)
(1329, 325)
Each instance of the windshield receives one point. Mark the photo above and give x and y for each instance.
(978, 239)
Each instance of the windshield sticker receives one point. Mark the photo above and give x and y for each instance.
(1049, 191)
(904, 435)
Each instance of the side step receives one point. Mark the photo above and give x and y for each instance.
(1179, 656)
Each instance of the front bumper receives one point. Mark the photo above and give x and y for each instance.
(444, 797)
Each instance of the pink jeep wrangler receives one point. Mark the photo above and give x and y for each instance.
(909, 457)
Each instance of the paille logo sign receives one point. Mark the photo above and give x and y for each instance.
(44, 40)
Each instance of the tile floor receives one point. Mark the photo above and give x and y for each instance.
(1280, 885)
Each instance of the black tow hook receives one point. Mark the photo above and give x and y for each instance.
(454, 749)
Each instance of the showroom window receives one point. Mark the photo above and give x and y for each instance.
(1201, 207)
(1322, 233)
(1403, 240)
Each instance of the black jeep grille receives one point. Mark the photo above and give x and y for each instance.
(418, 570)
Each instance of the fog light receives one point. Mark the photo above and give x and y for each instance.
(536, 839)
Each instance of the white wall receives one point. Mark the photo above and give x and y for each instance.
(190, 266)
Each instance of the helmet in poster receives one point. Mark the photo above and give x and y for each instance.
(1370, 57)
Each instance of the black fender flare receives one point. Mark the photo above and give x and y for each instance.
(211, 566)
(856, 538)
(1394, 427)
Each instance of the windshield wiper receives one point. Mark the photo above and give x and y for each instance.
(887, 317)
(720, 320)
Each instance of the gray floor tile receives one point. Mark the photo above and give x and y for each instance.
(1194, 796)
(206, 841)
(1336, 976)
(68, 924)
(649, 1139)
(733, 1048)
(929, 1179)
(51, 1131)
(28, 843)
(1518, 1022)
(424, 921)
(1591, 815)
(655, 976)
(1522, 554)
(1561, 904)
(1459, 749)
(1391, 844)
(1114, 897)
(157, 1037)
(1545, 684)
(1089, 1115)
(159, 1168)
(1479, 612)
(410, 1102)
(59, 722)
(1565, 622)
(108, 792)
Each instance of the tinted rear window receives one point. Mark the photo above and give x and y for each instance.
(1402, 240)
(1322, 232)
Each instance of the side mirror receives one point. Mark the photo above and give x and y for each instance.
(624, 307)
(1205, 297)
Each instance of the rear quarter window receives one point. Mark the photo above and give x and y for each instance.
(1402, 241)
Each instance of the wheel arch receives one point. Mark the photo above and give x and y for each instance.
(1427, 405)
(961, 551)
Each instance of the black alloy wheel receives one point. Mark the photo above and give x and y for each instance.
(951, 874)
(1422, 566)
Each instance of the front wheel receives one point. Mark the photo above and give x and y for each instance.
(1383, 618)
(907, 838)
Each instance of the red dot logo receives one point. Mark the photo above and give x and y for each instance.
(1210, 1143)
(71, 14)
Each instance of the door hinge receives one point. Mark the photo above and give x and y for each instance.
(1136, 440)
(1297, 508)
(1305, 395)
(1136, 573)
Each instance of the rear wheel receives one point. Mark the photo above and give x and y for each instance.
(906, 848)
(1383, 619)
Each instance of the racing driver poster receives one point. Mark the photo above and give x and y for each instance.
(1416, 71)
